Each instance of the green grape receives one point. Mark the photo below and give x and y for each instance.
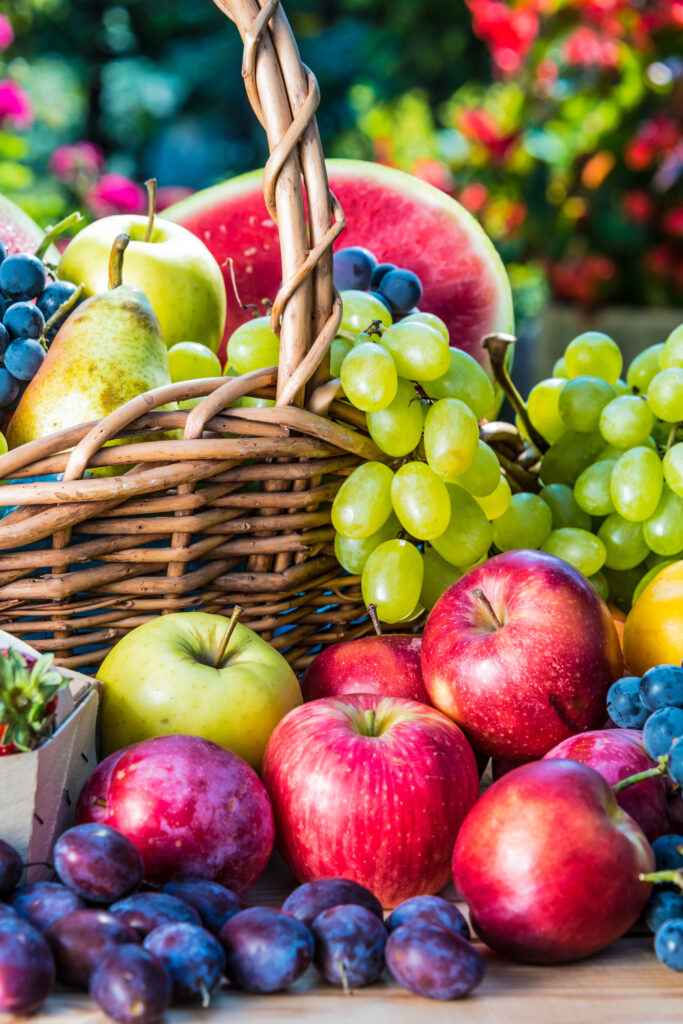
(438, 576)
(672, 354)
(363, 502)
(451, 437)
(360, 309)
(431, 319)
(542, 406)
(568, 457)
(353, 554)
(494, 504)
(483, 475)
(420, 500)
(621, 387)
(665, 394)
(624, 542)
(3, 444)
(592, 489)
(368, 376)
(636, 484)
(392, 580)
(564, 508)
(526, 524)
(594, 354)
(188, 360)
(626, 421)
(582, 400)
(600, 583)
(418, 350)
(468, 535)
(622, 583)
(578, 547)
(397, 428)
(609, 454)
(339, 349)
(253, 346)
(464, 379)
(643, 368)
(673, 468)
(648, 577)
(663, 531)
(560, 368)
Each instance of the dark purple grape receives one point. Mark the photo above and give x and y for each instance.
(380, 271)
(433, 962)
(662, 687)
(145, 911)
(663, 905)
(668, 851)
(9, 388)
(98, 863)
(380, 298)
(41, 903)
(79, 941)
(4, 338)
(55, 294)
(660, 731)
(265, 950)
(22, 276)
(624, 705)
(131, 986)
(7, 911)
(675, 762)
(353, 267)
(311, 898)
(349, 945)
(429, 910)
(402, 289)
(3, 250)
(23, 357)
(213, 902)
(193, 958)
(23, 320)
(669, 944)
(27, 970)
(11, 867)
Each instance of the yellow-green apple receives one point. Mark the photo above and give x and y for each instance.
(372, 789)
(388, 665)
(192, 809)
(549, 863)
(174, 269)
(520, 652)
(617, 754)
(170, 675)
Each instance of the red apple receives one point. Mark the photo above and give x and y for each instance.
(618, 754)
(387, 665)
(192, 808)
(548, 863)
(370, 788)
(520, 652)
(92, 801)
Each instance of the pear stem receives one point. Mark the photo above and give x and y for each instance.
(650, 773)
(56, 231)
(497, 346)
(348, 991)
(205, 994)
(236, 612)
(65, 307)
(116, 261)
(372, 612)
(151, 186)
(483, 599)
(670, 875)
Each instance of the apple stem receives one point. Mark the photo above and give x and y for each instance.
(236, 612)
(372, 612)
(151, 186)
(98, 802)
(243, 305)
(116, 261)
(669, 875)
(56, 231)
(650, 773)
(65, 308)
(205, 994)
(481, 596)
(345, 981)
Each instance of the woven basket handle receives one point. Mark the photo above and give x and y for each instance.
(284, 96)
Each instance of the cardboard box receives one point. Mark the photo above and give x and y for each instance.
(38, 790)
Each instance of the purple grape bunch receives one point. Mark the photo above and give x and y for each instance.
(398, 289)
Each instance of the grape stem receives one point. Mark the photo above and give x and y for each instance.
(236, 612)
(345, 981)
(65, 307)
(374, 327)
(151, 186)
(372, 612)
(483, 599)
(229, 262)
(205, 994)
(669, 875)
(56, 231)
(672, 435)
(116, 261)
(650, 773)
(497, 346)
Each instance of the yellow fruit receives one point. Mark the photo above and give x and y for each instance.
(653, 633)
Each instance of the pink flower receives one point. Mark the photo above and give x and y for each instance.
(67, 162)
(167, 195)
(673, 221)
(586, 47)
(6, 33)
(16, 108)
(481, 126)
(114, 193)
(473, 196)
(434, 173)
(509, 32)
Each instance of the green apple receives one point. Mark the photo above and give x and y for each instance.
(160, 679)
(174, 269)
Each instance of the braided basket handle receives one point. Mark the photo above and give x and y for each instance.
(284, 96)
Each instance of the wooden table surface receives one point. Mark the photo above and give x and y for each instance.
(625, 984)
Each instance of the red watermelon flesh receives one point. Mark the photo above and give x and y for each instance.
(401, 219)
(19, 232)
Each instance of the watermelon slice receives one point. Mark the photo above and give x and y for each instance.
(19, 232)
(400, 218)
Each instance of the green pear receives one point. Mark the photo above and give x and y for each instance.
(109, 350)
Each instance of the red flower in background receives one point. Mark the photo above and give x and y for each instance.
(654, 138)
(509, 32)
(672, 222)
(16, 108)
(637, 206)
(581, 280)
(67, 162)
(114, 193)
(434, 173)
(473, 196)
(6, 32)
(586, 47)
(482, 127)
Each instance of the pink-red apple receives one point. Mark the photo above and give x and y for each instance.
(520, 652)
(617, 754)
(192, 808)
(387, 665)
(370, 788)
(549, 863)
